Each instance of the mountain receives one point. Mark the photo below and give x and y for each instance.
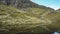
(28, 7)
(25, 16)
(22, 3)
(13, 21)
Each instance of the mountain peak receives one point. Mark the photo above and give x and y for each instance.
(22, 4)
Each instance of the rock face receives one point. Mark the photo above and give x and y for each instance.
(19, 3)
(22, 3)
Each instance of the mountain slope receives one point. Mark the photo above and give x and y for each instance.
(55, 18)
(28, 18)
(13, 20)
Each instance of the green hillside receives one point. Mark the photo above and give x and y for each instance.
(37, 12)
(12, 20)
(55, 17)
(36, 19)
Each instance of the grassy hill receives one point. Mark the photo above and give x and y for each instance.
(55, 17)
(41, 20)
(12, 20)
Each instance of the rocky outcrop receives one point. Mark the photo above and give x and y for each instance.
(22, 4)
(18, 3)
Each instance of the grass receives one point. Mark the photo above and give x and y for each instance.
(14, 20)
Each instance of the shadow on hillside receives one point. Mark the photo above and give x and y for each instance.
(32, 33)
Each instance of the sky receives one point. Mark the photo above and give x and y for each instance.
(55, 4)
(55, 33)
